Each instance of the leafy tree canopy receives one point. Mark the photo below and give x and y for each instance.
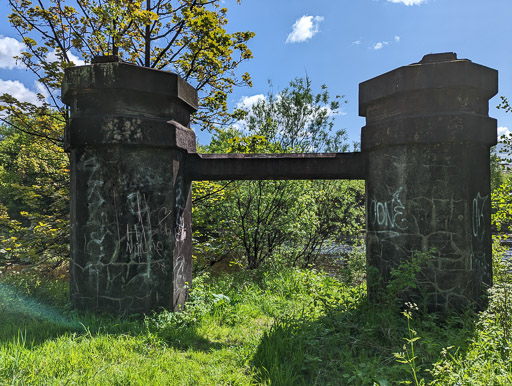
(298, 119)
(188, 37)
(275, 222)
(34, 220)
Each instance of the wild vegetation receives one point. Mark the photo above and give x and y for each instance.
(279, 323)
(282, 315)
(188, 37)
(264, 326)
(256, 223)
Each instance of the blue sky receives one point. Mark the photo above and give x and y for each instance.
(342, 43)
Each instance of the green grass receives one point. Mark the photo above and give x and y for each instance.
(287, 327)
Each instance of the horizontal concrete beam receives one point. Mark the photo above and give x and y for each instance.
(305, 166)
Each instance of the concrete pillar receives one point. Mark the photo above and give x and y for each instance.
(427, 137)
(130, 203)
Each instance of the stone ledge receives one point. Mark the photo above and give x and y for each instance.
(128, 131)
(446, 128)
(124, 76)
(429, 74)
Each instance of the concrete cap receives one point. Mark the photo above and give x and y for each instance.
(434, 71)
(110, 74)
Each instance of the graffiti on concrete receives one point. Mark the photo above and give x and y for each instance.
(389, 214)
(478, 228)
(477, 216)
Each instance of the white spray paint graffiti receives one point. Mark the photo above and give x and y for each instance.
(478, 229)
(389, 214)
(127, 241)
(93, 240)
(143, 242)
(96, 230)
(138, 235)
(477, 216)
(180, 237)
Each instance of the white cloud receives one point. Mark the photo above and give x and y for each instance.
(356, 43)
(331, 112)
(10, 47)
(44, 91)
(409, 2)
(18, 91)
(75, 60)
(246, 102)
(379, 45)
(504, 131)
(52, 57)
(304, 29)
(382, 44)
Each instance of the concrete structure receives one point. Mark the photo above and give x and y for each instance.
(425, 156)
(427, 137)
(130, 202)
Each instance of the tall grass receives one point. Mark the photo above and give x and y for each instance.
(279, 327)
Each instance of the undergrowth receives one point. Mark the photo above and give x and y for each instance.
(279, 327)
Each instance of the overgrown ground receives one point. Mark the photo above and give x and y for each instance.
(279, 327)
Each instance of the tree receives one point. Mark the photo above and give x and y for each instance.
(297, 119)
(497, 175)
(502, 181)
(287, 221)
(186, 36)
(34, 220)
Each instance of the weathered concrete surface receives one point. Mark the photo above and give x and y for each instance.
(276, 166)
(428, 188)
(130, 202)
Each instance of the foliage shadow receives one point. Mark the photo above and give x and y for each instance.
(357, 345)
